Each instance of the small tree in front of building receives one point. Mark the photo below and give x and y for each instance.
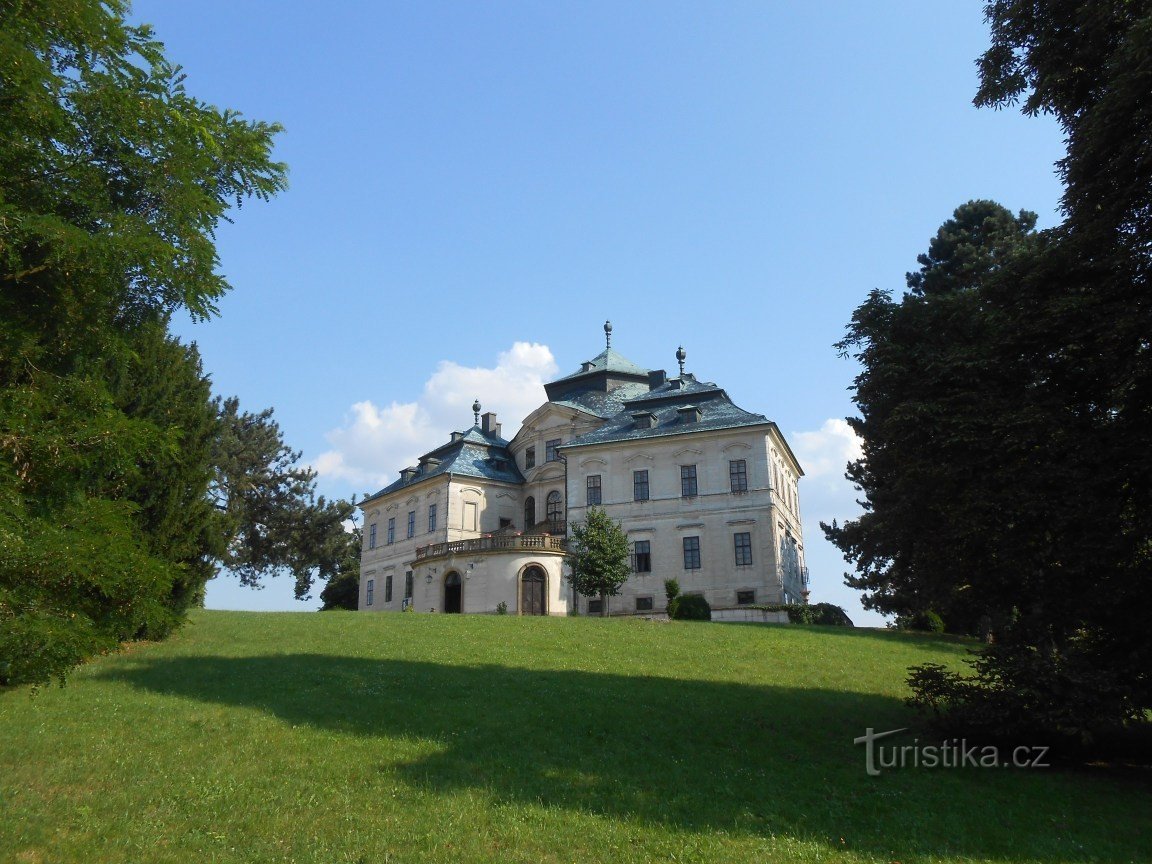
(598, 557)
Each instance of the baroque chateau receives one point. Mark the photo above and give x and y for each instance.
(706, 492)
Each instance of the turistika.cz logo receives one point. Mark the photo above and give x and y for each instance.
(954, 753)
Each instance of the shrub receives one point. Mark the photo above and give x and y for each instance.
(1022, 692)
(689, 607)
(501, 608)
(924, 622)
(825, 614)
(671, 590)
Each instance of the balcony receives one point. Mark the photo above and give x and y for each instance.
(496, 543)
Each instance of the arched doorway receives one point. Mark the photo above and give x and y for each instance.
(529, 513)
(533, 592)
(452, 593)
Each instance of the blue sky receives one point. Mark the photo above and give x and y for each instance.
(476, 187)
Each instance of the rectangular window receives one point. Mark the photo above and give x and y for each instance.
(530, 457)
(388, 588)
(369, 590)
(642, 556)
(640, 485)
(745, 598)
(552, 450)
(594, 607)
(643, 604)
(408, 585)
(372, 536)
(594, 497)
(411, 523)
(431, 518)
(687, 481)
(738, 475)
(691, 553)
(743, 543)
(391, 530)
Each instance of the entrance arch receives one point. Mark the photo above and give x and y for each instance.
(453, 593)
(534, 591)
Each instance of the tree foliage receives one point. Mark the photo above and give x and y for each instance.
(343, 589)
(1005, 419)
(112, 181)
(274, 520)
(598, 557)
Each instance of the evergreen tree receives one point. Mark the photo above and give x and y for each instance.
(112, 181)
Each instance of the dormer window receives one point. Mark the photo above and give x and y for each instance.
(644, 420)
(499, 464)
(689, 414)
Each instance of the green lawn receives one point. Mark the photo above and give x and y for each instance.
(340, 737)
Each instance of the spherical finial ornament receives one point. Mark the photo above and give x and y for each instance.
(476, 411)
(607, 334)
(681, 356)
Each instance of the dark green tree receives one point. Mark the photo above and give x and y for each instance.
(933, 392)
(112, 181)
(275, 522)
(343, 589)
(598, 557)
(1067, 395)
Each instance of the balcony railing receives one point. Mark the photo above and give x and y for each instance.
(506, 543)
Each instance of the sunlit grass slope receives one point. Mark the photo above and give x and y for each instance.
(339, 737)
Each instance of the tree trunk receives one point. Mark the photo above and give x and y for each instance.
(603, 605)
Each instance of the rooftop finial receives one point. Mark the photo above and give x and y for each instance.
(680, 357)
(476, 411)
(607, 334)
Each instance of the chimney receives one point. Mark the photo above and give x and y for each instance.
(656, 378)
(489, 425)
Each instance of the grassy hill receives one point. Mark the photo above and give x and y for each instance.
(369, 738)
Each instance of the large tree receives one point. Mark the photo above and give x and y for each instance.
(274, 520)
(1057, 505)
(598, 557)
(934, 394)
(112, 182)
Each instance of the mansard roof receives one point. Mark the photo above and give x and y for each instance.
(666, 404)
(600, 403)
(603, 373)
(474, 453)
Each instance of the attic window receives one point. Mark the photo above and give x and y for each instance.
(644, 420)
(689, 414)
(499, 464)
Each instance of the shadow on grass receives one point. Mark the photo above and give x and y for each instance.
(694, 755)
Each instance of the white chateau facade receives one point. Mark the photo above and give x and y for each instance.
(706, 492)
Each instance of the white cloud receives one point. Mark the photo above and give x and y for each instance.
(824, 453)
(377, 441)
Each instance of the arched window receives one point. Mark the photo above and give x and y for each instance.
(555, 506)
(529, 512)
